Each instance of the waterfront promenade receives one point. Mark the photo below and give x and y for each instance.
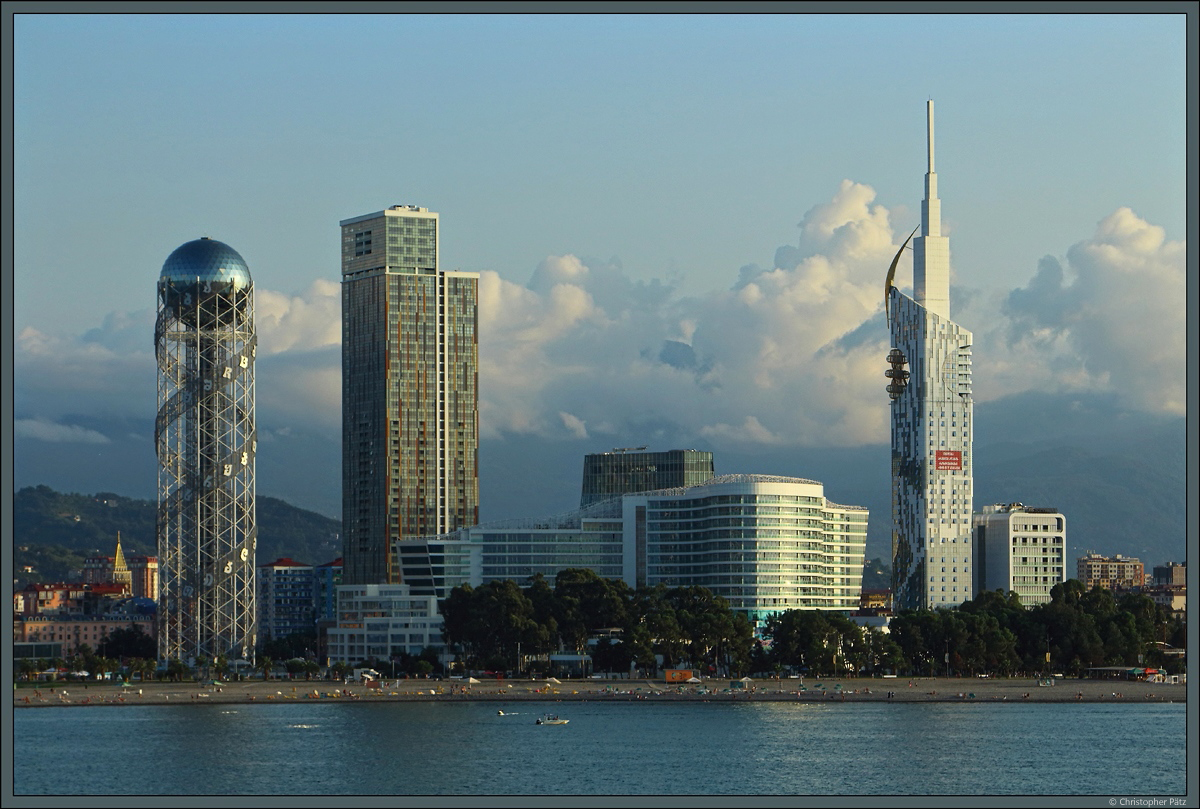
(825, 691)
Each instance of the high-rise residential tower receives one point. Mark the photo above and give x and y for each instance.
(410, 406)
(932, 423)
(207, 533)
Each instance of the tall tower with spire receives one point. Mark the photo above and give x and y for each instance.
(932, 423)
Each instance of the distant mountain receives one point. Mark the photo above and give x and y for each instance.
(1119, 476)
(53, 532)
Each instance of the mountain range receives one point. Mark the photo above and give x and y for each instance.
(1118, 476)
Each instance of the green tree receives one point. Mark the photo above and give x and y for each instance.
(26, 669)
(610, 657)
(295, 666)
(176, 669)
(126, 642)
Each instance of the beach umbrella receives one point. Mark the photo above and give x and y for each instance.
(472, 681)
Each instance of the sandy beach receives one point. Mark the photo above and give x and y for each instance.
(829, 691)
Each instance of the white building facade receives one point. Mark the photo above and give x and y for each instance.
(1020, 550)
(932, 424)
(764, 543)
(376, 621)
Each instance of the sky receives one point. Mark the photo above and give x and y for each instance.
(678, 220)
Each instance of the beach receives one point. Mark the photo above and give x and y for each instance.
(829, 691)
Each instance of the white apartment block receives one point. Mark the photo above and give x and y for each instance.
(375, 621)
(1020, 550)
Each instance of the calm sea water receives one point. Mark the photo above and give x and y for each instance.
(607, 749)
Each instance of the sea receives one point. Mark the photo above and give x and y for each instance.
(607, 748)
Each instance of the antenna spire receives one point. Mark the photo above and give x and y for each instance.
(929, 111)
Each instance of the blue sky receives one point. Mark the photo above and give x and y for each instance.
(620, 181)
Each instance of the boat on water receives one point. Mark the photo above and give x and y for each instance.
(551, 719)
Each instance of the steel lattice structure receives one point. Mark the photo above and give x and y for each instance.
(205, 439)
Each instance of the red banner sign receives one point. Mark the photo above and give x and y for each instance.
(947, 459)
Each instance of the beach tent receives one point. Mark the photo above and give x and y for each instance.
(693, 679)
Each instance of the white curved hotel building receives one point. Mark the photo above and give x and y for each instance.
(764, 543)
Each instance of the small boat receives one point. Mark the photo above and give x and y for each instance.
(551, 719)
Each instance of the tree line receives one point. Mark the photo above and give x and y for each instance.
(504, 626)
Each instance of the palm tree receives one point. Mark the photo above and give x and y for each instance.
(27, 668)
(265, 664)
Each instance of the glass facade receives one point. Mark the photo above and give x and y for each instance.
(410, 414)
(612, 474)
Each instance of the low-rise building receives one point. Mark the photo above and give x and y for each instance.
(138, 573)
(875, 599)
(73, 631)
(1172, 597)
(377, 621)
(1172, 573)
(75, 598)
(1110, 572)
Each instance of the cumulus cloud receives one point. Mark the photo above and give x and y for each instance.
(750, 431)
(42, 430)
(1113, 319)
(111, 369)
(793, 354)
(103, 371)
(582, 338)
(788, 355)
(312, 319)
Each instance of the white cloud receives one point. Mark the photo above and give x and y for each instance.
(1114, 319)
(40, 430)
(791, 355)
(298, 322)
(111, 369)
(574, 425)
(750, 431)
